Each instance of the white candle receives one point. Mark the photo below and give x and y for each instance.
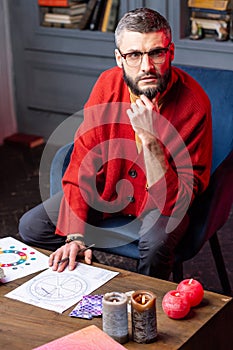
(115, 316)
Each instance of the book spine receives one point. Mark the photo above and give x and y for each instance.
(69, 10)
(210, 4)
(112, 21)
(106, 16)
(213, 11)
(62, 19)
(210, 15)
(87, 15)
(96, 17)
(61, 25)
(59, 3)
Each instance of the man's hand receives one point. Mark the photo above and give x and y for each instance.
(142, 118)
(69, 252)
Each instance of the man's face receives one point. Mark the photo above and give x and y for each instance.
(147, 78)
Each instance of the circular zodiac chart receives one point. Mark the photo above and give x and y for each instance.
(13, 258)
(18, 259)
(57, 287)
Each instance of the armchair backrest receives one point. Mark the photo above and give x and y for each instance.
(218, 85)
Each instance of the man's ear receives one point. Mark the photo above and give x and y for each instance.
(118, 58)
(172, 51)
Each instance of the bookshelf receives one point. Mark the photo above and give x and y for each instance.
(55, 68)
(206, 52)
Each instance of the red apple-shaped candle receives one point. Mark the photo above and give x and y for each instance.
(193, 289)
(176, 304)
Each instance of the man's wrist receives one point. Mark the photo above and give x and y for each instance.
(75, 237)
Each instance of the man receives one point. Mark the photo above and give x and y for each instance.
(143, 151)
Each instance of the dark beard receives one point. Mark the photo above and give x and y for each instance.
(150, 92)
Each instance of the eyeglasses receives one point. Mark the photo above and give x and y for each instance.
(134, 58)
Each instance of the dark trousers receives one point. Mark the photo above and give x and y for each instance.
(155, 243)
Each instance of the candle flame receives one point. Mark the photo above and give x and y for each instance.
(177, 294)
(143, 299)
(190, 281)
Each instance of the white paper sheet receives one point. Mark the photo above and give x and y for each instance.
(18, 259)
(58, 291)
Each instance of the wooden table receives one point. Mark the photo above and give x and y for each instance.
(208, 326)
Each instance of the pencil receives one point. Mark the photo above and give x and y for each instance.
(80, 251)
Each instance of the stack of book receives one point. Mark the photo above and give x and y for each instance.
(210, 18)
(99, 15)
(62, 13)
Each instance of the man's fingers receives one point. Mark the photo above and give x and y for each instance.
(54, 259)
(88, 256)
(145, 100)
(134, 108)
(51, 257)
(67, 255)
(72, 256)
(60, 266)
(130, 113)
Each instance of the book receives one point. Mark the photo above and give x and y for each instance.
(88, 338)
(25, 140)
(61, 25)
(71, 10)
(211, 15)
(106, 15)
(58, 18)
(97, 16)
(87, 14)
(113, 16)
(59, 3)
(211, 4)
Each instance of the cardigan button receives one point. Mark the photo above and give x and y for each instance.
(131, 199)
(133, 173)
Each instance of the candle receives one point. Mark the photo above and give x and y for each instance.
(115, 316)
(176, 304)
(143, 313)
(193, 289)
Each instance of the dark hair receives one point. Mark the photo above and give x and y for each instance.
(142, 20)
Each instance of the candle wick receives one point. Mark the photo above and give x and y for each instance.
(190, 281)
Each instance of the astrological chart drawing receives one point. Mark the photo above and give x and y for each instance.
(18, 259)
(58, 291)
(59, 287)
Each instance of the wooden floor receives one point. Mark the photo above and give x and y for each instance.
(19, 191)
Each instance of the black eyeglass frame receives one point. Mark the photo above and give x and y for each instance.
(159, 50)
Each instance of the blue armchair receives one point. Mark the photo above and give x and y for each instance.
(210, 211)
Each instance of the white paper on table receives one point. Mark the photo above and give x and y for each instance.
(58, 291)
(18, 259)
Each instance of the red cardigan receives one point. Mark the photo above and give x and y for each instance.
(106, 175)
